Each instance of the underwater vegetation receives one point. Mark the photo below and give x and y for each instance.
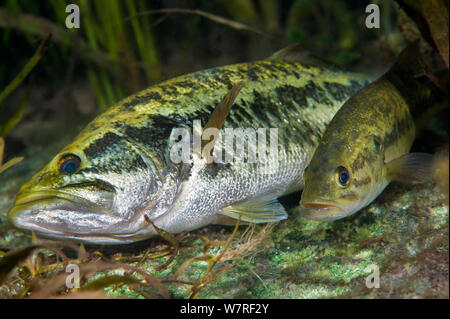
(10, 163)
(119, 50)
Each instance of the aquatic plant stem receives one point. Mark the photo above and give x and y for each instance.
(214, 261)
(26, 70)
(218, 19)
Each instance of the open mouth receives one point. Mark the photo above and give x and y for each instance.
(59, 215)
(64, 222)
(41, 210)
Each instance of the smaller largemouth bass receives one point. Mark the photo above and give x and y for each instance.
(366, 144)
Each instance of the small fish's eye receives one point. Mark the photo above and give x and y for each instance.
(343, 176)
(69, 163)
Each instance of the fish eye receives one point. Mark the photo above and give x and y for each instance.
(343, 176)
(69, 163)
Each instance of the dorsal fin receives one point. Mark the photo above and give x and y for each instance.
(218, 117)
(292, 52)
(295, 53)
(405, 75)
(409, 62)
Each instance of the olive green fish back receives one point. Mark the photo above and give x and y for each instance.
(274, 93)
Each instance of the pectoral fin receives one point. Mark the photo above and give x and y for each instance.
(265, 209)
(411, 168)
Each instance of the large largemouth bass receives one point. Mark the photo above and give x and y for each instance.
(366, 145)
(117, 174)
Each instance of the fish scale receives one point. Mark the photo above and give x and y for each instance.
(126, 149)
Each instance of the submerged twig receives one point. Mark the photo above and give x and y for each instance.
(218, 19)
(41, 27)
(173, 240)
(213, 261)
(10, 163)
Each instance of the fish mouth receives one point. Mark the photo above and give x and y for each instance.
(52, 199)
(318, 206)
(59, 215)
(321, 211)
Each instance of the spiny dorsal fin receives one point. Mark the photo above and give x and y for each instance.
(292, 52)
(218, 117)
(409, 62)
(295, 53)
(405, 76)
(262, 209)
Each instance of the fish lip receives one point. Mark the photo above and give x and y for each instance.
(32, 199)
(313, 205)
(28, 198)
(99, 239)
(34, 196)
(20, 216)
(321, 211)
(51, 233)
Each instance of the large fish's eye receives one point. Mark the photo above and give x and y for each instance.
(343, 176)
(69, 163)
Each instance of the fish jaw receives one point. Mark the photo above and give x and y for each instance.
(321, 211)
(57, 215)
